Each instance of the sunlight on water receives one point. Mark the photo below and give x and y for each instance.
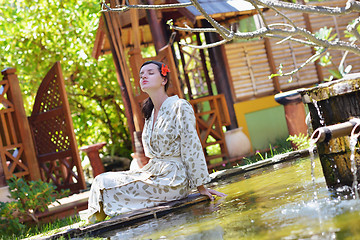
(273, 203)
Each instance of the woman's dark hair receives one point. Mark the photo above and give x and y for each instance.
(148, 105)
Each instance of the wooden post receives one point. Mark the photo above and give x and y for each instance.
(22, 125)
(203, 62)
(113, 39)
(156, 27)
(92, 152)
(186, 76)
(272, 66)
(2, 177)
(221, 73)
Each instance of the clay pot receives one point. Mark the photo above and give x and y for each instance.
(238, 144)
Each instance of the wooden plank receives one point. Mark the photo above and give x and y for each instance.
(5, 134)
(10, 121)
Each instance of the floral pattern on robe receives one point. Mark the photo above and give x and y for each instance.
(177, 164)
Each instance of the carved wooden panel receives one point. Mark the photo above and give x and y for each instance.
(53, 134)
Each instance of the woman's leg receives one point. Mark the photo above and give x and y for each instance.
(100, 216)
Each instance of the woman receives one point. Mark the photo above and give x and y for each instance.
(170, 140)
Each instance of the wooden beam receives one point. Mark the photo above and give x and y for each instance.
(221, 73)
(114, 40)
(270, 56)
(186, 76)
(135, 26)
(157, 28)
(203, 63)
(99, 40)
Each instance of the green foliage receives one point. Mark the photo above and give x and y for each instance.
(324, 34)
(279, 147)
(278, 74)
(349, 35)
(325, 60)
(36, 34)
(46, 229)
(301, 141)
(29, 198)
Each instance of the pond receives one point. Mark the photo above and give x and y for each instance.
(283, 201)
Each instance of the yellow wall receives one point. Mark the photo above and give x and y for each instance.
(250, 106)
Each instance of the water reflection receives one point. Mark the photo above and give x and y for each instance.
(273, 203)
(177, 224)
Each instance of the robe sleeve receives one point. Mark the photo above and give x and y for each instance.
(191, 150)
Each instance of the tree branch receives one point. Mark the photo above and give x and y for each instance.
(351, 6)
(313, 57)
(127, 6)
(284, 31)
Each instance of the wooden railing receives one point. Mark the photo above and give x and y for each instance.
(16, 146)
(42, 146)
(211, 115)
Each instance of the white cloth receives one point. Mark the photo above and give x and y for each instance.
(134, 165)
(177, 164)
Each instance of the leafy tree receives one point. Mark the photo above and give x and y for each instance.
(36, 34)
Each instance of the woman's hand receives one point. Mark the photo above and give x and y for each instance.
(209, 192)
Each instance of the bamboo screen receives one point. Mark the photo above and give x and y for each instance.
(339, 26)
(291, 55)
(249, 64)
(249, 69)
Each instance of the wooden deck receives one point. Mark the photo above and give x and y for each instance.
(68, 206)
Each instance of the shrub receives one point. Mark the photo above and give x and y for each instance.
(29, 197)
(301, 141)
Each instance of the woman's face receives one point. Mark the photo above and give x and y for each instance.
(150, 78)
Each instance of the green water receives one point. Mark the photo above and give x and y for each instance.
(279, 202)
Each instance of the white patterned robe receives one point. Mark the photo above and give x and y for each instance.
(177, 164)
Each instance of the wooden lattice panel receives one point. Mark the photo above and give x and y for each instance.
(51, 99)
(11, 148)
(53, 134)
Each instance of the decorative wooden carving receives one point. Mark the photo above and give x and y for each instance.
(16, 147)
(53, 133)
